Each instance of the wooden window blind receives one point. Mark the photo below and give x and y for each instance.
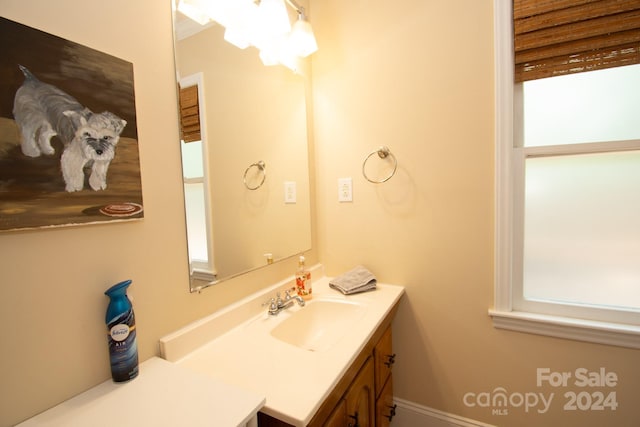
(557, 37)
(189, 114)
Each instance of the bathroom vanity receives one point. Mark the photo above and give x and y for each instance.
(323, 364)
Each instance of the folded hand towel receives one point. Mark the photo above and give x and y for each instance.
(353, 281)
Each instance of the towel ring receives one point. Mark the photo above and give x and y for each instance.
(383, 152)
(261, 169)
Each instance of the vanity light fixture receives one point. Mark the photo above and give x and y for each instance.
(264, 25)
(302, 41)
(273, 20)
(241, 22)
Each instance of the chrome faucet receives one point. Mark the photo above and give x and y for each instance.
(277, 304)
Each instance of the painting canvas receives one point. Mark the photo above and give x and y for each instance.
(68, 135)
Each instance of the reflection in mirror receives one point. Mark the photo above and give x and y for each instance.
(249, 114)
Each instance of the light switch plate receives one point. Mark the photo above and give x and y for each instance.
(345, 189)
(290, 195)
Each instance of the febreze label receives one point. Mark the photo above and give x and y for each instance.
(123, 349)
(120, 332)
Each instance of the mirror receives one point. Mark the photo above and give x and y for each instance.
(247, 178)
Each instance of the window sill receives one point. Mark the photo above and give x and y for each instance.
(562, 327)
(203, 275)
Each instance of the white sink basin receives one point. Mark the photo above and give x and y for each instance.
(319, 324)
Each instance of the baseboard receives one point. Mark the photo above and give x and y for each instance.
(409, 414)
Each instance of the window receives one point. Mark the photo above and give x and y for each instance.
(194, 170)
(195, 205)
(568, 200)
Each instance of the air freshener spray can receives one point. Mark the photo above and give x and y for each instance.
(121, 329)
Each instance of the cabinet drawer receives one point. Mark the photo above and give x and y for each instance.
(385, 409)
(384, 360)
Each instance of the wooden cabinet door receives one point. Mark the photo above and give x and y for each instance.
(360, 398)
(384, 360)
(385, 408)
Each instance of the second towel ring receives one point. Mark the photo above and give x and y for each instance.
(261, 168)
(383, 152)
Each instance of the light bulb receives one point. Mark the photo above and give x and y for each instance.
(302, 42)
(239, 29)
(273, 19)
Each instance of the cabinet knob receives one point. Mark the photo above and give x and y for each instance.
(355, 420)
(392, 412)
(391, 359)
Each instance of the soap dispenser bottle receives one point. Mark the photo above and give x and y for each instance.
(121, 328)
(303, 279)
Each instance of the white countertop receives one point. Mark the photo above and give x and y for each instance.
(163, 394)
(295, 381)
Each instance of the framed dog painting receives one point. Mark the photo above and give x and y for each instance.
(68, 137)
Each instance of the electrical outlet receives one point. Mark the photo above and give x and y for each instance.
(290, 195)
(345, 190)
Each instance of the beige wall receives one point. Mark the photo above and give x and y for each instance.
(379, 78)
(417, 76)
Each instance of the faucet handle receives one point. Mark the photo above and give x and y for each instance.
(270, 302)
(273, 306)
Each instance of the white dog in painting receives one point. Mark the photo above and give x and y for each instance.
(43, 111)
